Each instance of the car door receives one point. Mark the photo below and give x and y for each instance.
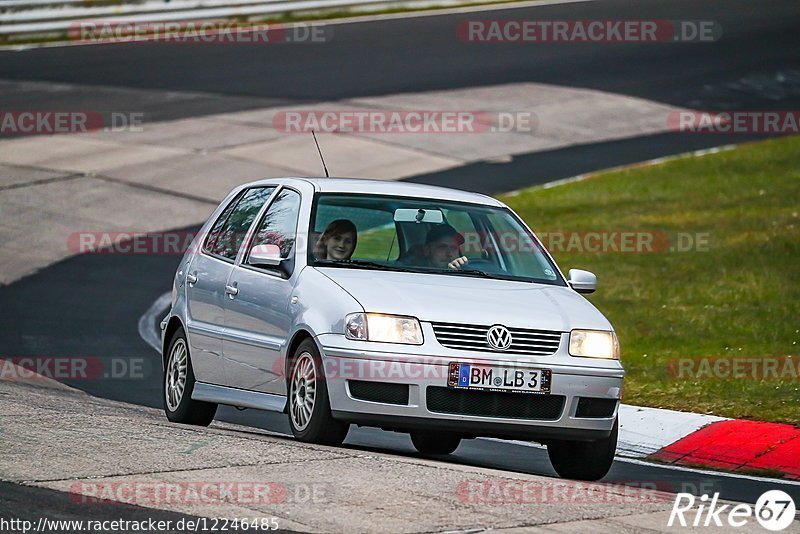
(257, 316)
(207, 274)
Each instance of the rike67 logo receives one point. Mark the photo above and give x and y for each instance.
(774, 510)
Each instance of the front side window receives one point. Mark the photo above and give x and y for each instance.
(344, 231)
(426, 236)
(279, 225)
(229, 229)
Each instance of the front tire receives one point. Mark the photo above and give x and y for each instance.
(309, 405)
(584, 460)
(178, 385)
(435, 442)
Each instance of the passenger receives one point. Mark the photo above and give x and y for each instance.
(443, 248)
(337, 242)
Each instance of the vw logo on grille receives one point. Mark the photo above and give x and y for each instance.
(498, 337)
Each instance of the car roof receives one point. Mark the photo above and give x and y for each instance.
(386, 187)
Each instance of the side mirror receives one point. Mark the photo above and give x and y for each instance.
(582, 281)
(265, 256)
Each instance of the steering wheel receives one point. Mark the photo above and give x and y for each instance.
(484, 265)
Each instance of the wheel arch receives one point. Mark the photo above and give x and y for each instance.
(301, 335)
(172, 326)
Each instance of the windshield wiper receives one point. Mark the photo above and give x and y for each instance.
(466, 271)
(482, 274)
(364, 264)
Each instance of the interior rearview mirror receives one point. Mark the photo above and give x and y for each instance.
(582, 281)
(418, 215)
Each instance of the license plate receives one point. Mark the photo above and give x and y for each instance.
(492, 378)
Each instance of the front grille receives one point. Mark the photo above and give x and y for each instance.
(494, 404)
(591, 407)
(473, 338)
(379, 391)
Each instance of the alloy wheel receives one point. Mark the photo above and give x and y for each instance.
(303, 391)
(176, 374)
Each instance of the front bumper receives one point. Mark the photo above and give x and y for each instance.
(425, 366)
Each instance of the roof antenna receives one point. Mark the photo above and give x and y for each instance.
(320, 155)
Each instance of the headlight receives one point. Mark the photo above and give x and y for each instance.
(383, 328)
(594, 344)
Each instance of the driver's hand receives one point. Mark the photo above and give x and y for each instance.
(458, 263)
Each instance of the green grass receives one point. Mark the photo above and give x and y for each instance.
(738, 298)
(375, 243)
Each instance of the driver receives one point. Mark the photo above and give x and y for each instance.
(443, 248)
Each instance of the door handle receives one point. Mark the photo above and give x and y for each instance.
(191, 279)
(231, 290)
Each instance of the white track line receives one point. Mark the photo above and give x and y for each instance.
(647, 163)
(644, 431)
(725, 474)
(154, 313)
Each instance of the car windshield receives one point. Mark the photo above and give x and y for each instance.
(420, 235)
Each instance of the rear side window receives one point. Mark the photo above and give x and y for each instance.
(229, 229)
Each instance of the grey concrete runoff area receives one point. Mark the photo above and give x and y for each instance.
(83, 451)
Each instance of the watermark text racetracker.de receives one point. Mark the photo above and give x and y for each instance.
(555, 241)
(74, 368)
(622, 241)
(588, 31)
(735, 122)
(506, 492)
(197, 493)
(417, 121)
(736, 368)
(199, 32)
(51, 122)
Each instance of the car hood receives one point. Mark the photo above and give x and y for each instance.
(470, 300)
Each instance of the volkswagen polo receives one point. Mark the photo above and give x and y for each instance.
(405, 307)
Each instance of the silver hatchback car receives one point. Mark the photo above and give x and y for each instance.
(400, 306)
